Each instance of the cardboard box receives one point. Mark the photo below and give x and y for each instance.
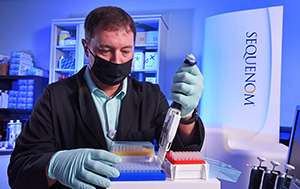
(152, 37)
(151, 60)
(67, 63)
(3, 69)
(151, 80)
(140, 38)
(138, 60)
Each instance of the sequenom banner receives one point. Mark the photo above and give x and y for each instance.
(241, 65)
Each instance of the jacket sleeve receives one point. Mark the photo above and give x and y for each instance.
(34, 148)
(177, 145)
(197, 144)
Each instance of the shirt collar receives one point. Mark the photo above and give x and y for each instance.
(121, 94)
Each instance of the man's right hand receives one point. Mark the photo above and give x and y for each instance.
(83, 168)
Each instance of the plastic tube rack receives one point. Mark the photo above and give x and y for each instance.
(138, 161)
(139, 171)
(185, 165)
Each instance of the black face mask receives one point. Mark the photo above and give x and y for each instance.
(108, 72)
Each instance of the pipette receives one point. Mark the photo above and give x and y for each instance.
(270, 176)
(284, 181)
(256, 174)
(171, 122)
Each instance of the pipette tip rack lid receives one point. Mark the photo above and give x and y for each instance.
(132, 148)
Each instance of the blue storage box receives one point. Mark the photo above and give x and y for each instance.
(67, 63)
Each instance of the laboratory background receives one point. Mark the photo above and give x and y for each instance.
(45, 35)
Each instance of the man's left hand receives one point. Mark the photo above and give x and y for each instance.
(187, 88)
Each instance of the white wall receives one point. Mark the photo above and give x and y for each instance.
(4, 161)
(25, 25)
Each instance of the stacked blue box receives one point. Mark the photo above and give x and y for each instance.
(21, 55)
(37, 72)
(22, 94)
(20, 62)
(12, 99)
(22, 98)
(30, 92)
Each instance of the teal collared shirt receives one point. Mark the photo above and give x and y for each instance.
(108, 107)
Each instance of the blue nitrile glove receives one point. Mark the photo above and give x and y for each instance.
(187, 88)
(81, 168)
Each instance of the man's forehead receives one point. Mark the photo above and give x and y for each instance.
(109, 39)
(100, 28)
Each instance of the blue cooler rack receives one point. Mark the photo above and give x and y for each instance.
(138, 162)
(139, 171)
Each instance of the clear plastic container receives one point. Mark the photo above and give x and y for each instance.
(133, 148)
(18, 128)
(62, 36)
(222, 170)
(10, 133)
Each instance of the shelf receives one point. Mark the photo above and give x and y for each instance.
(16, 111)
(147, 45)
(67, 47)
(7, 114)
(16, 77)
(6, 151)
(64, 70)
(145, 70)
(11, 83)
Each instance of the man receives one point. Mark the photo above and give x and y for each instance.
(65, 143)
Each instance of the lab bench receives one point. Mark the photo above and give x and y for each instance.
(211, 183)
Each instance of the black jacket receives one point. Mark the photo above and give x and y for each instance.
(65, 117)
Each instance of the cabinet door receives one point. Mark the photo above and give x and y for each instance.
(67, 55)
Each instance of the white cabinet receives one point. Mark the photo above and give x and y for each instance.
(68, 57)
(150, 49)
